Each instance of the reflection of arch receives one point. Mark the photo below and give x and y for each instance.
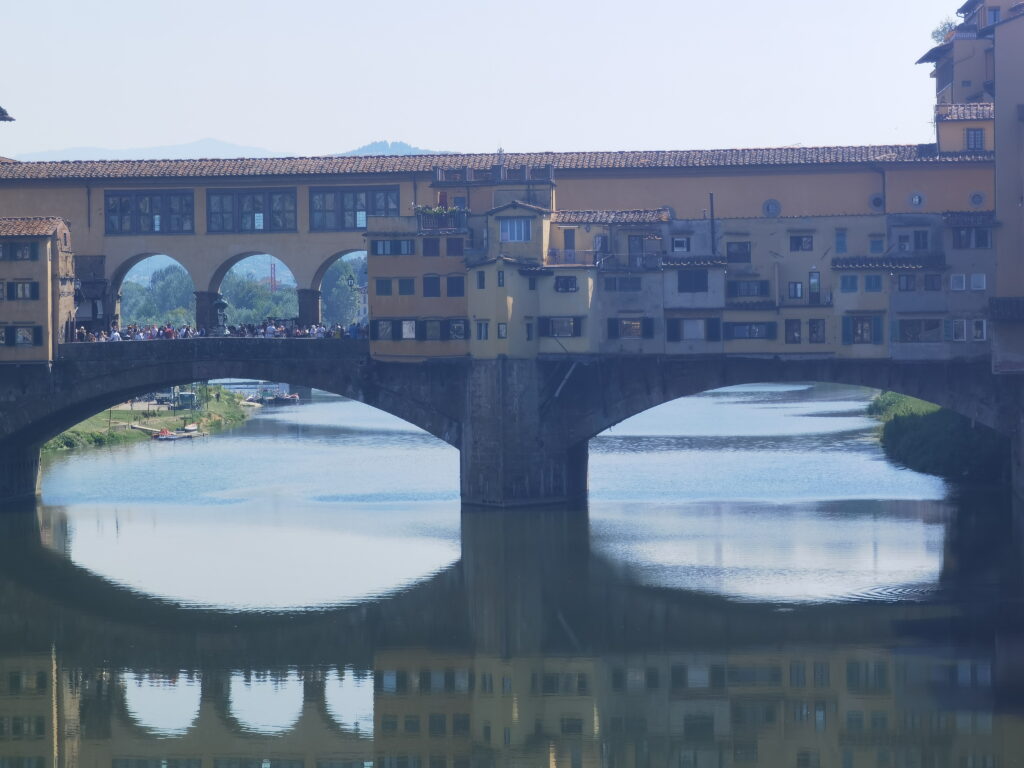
(330, 261)
(117, 279)
(252, 696)
(162, 706)
(221, 272)
(348, 700)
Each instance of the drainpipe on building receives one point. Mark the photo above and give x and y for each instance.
(714, 238)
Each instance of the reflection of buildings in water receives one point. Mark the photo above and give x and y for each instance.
(533, 651)
(800, 706)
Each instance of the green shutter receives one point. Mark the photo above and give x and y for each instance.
(772, 332)
(34, 252)
(10, 335)
(37, 335)
(446, 330)
(374, 334)
(731, 289)
(12, 291)
(647, 327)
(877, 336)
(947, 329)
(764, 288)
(396, 330)
(713, 328)
(673, 331)
(613, 328)
(543, 326)
(33, 290)
(847, 330)
(577, 326)
(421, 330)
(894, 330)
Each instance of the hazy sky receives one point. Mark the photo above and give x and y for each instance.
(315, 76)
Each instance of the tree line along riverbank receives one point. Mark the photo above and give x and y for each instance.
(217, 408)
(926, 438)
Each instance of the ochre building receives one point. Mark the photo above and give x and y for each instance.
(903, 251)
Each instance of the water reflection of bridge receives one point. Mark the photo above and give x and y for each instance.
(531, 647)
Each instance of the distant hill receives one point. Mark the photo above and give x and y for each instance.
(390, 148)
(208, 148)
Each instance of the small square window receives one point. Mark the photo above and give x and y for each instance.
(456, 285)
(958, 282)
(737, 252)
(531, 283)
(502, 330)
(566, 284)
(482, 328)
(841, 245)
(796, 290)
(432, 286)
(501, 278)
(384, 330)
(876, 244)
(481, 279)
(979, 330)
(801, 243)
(907, 282)
(408, 330)
(406, 286)
(431, 246)
(959, 329)
(680, 245)
(456, 246)
(383, 286)
(873, 283)
(978, 281)
(848, 283)
(933, 282)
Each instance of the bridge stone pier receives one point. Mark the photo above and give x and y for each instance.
(522, 426)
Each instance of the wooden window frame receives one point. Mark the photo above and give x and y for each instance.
(264, 194)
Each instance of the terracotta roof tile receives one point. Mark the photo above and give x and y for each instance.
(951, 112)
(42, 226)
(640, 216)
(561, 161)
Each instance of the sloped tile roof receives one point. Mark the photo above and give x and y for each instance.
(41, 226)
(639, 216)
(562, 161)
(951, 112)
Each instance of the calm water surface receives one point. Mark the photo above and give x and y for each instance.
(755, 584)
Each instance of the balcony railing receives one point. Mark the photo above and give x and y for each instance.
(433, 222)
(562, 256)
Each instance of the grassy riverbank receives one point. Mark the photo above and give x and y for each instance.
(937, 441)
(114, 427)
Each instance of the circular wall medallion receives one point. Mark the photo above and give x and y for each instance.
(877, 203)
(917, 199)
(772, 208)
(977, 199)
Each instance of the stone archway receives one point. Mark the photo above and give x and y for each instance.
(321, 298)
(123, 275)
(272, 271)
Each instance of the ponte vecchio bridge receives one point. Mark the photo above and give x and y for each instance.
(521, 426)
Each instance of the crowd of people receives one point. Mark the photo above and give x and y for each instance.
(269, 330)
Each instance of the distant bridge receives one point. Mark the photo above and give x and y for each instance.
(522, 426)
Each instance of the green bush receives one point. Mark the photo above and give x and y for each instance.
(937, 441)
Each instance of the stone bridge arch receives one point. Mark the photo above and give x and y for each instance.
(39, 403)
(608, 391)
(119, 274)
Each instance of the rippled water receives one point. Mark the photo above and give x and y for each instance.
(753, 583)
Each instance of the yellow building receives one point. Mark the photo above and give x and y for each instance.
(37, 288)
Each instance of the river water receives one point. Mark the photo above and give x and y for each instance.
(752, 584)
